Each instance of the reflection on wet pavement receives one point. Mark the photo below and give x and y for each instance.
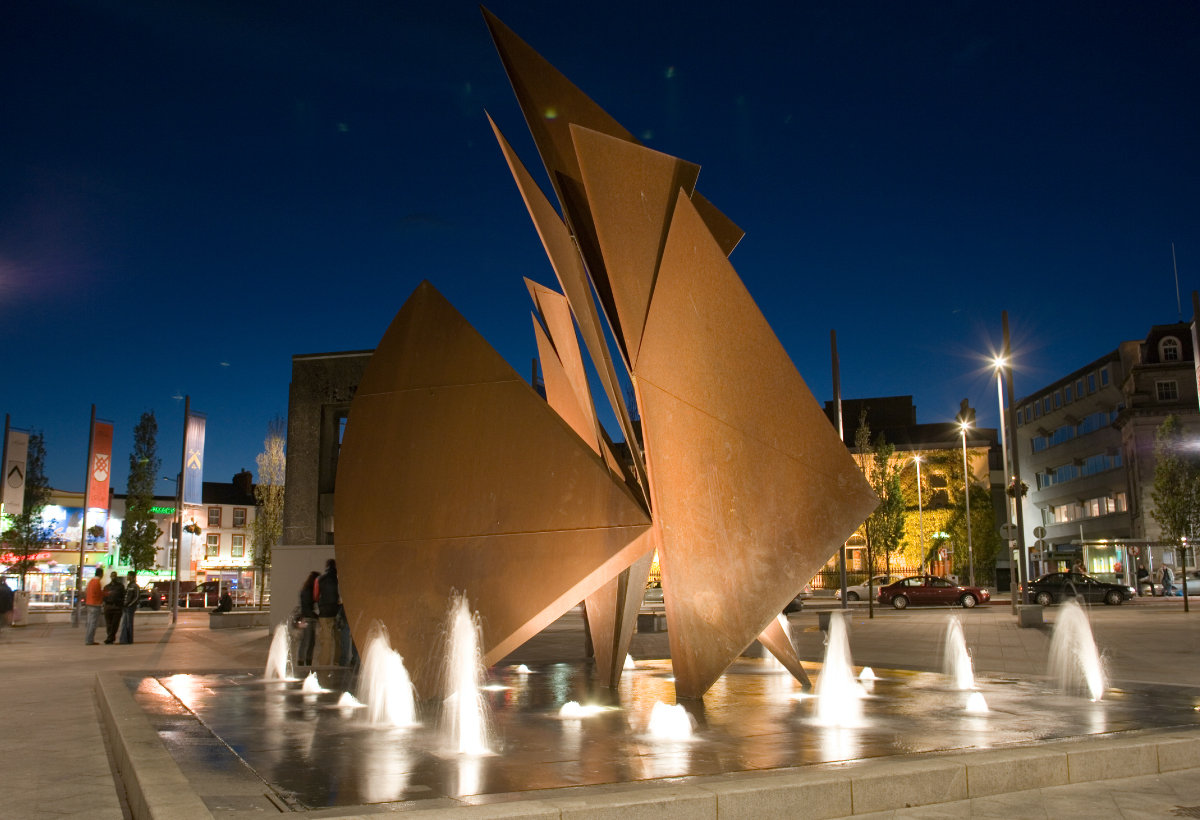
(238, 734)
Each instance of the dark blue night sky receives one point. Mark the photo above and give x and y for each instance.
(192, 191)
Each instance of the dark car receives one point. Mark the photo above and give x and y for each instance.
(797, 603)
(1076, 586)
(930, 590)
(151, 598)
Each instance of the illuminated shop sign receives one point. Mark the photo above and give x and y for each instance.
(163, 510)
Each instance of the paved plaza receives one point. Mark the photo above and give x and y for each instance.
(58, 764)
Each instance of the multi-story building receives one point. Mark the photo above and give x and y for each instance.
(1087, 452)
(223, 549)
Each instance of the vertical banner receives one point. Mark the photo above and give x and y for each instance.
(14, 472)
(101, 469)
(193, 460)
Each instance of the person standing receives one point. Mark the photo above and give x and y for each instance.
(93, 600)
(114, 605)
(1168, 581)
(308, 613)
(1143, 577)
(327, 597)
(6, 603)
(131, 604)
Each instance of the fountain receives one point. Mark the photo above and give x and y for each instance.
(956, 660)
(1074, 660)
(348, 701)
(522, 669)
(465, 717)
(311, 685)
(572, 710)
(672, 723)
(279, 658)
(867, 673)
(839, 695)
(384, 685)
(976, 705)
(629, 664)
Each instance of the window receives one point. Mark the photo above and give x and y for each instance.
(1027, 414)
(941, 583)
(937, 480)
(916, 581)
(1037, 409)
(1067, 391)
(1079, 388)
(1091, 382)
(213, 547)
(1119, 502)
(1168, 349)
(1046, 404)
(214, 516)
(1091, 508)
(238, 548)
(1167, 391)
(239, 517)
(1057, 399)
(1104, 377)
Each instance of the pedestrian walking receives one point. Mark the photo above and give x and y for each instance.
(114, 605)
(131, 604)
(326, 599)
(308, 614)
(93, 602)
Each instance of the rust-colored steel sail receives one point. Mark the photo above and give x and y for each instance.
(751, 486)
(455, 475)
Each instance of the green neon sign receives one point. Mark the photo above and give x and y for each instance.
(163, 510)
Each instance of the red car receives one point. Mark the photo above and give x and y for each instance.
(930, 590)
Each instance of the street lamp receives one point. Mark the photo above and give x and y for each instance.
(967, 489)
(999, 364)
(920, 514)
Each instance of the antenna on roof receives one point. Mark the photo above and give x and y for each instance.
(1178, 304)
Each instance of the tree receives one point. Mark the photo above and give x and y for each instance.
(267, 529)
(139, 534)
(26, 533)
(884, 527)
(985, 537)
(1176, 492)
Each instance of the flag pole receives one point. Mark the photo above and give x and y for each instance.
(4, 465)
(87, 487)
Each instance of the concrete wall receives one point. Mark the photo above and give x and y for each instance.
(323, 385)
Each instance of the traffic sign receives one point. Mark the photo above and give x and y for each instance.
(1008, 532)
(1040, 545)
(1039, 532)
(942, 553)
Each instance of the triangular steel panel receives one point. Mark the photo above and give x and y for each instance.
(750, 484)
(455, 475)
(727, 234)
(631, 192)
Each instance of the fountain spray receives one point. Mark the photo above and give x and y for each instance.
(956, 660)
(1074, 659)
(466, 717)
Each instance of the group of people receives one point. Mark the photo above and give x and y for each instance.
(117, 601)
(326, 632)
(1165, 576)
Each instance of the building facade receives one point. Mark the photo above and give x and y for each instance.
(1087, 454)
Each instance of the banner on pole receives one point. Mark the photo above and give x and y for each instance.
(14, 472)
(193, 460)
(101, 468)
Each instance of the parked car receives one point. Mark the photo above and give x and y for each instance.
(191, 595)
(860, 592)
(150, 598)
(1071, 586)
(797, 603)
(931, 590)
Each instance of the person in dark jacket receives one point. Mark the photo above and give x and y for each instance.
(7, 602)
(132, 593)
(114, 606)
(308, 612)
(327, 597)
(224, 602)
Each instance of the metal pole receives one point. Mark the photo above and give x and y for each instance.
(4, 464)
(837, 413)
(87, 486)
(187, 412)
(967, 485)
(1007, 479)
(920, 514)
(1023, 554)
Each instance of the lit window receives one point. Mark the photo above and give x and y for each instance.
(1167, 391)
(214, 516)
(1119, 502)
(1057, 399)
(1067, 390)
(238, 548)
(1091, 382)
(239, 517)
(213, 547)
(1169, 349)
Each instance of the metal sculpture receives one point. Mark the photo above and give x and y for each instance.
(454, 474)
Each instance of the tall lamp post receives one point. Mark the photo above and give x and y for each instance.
(920, 514)
(1008, 514)
(967, 491)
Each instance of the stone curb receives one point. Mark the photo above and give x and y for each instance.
(158, 790)
(154, 785)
